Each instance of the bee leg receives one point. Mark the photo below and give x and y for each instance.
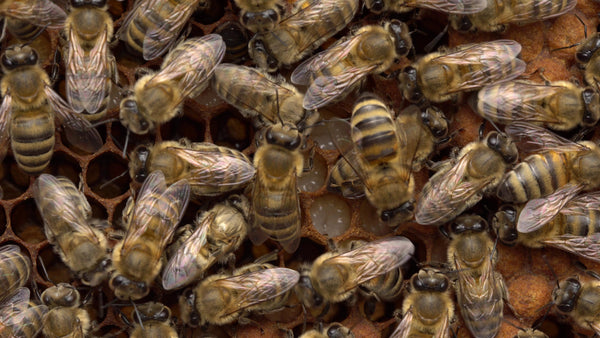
(141, 72)
(311, 160)
(55, 67)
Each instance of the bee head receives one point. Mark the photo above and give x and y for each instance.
(504, 223)
(261, 21)
(126, 289)
(98, 275)
(503, 145)
(187, 304)
(436, 121)
(376, 6)
(61, 295)
(566, 294)
(461, 23)
(586, 51)
(131, 118)
(474, 223)
(337, 330)
(591, 99)
(283, 136)
(151, 311)
(409, 85)
(429, 280)
(400, 214)
(17, 56)
(139, 160)
(92, 3)
(401, 35)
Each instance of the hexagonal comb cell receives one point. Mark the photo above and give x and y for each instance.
(57, 271)
(313, 179)
(330, 215)
(14, 181)
(183, 127)
(102, 172)
(63, 164)
(230, 129)
(26, 222)
(369, 220)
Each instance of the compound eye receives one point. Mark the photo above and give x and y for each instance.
(32, 58)
(295, 143)
(270, 136)
(465, 24)
(458, 228)
(8, 63)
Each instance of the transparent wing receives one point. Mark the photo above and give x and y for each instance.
(87, 76)
(43, 13)
(376, 258)
(182, 268)
(5, 114)
(403, 329)
(14, 304)
(483, 64)
(212, 168)
(447, 194)
(78, 130)
(192, 63)
(524, 12)
(581, 204)
(257, 287)
(477, 297)
(453, 6)
(583, 246)
(15, 278)
(517, 101)
(50, 195)
(532, 138)
(595, 326)
(157, 208)
(537, 212)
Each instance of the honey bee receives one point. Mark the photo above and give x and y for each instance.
(446, 6)
(221, 299)
(65, 318)
(151, 28)
(15, 267)
(151, 221)
(558, 105)
(574, 229)
(579, 301)
(333, 330)
(443, 76)
(68, 227)
(310, 299)
(496, 16)
(480, 291)
(336, 276)
(332, 73)
(310, 23)
(530, 333)
(256, 94)
(19, 318)
(25, 20)
(185, 72)
(428, 308)
(275, 202)
(377, 155)
(28, 111)
(220, 231)
(261, 15)
(155, 321)
(548, 179)
(462, 182)
(236, 41)
(210, 169)
(587, 56)
(90, 66)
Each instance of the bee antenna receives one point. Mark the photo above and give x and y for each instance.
(513, 325)
(126, 143)
(138, 314)
(99, 123)
(431, 45)
(584, 25)
(495, 126)
(124, 318)
(41, 261)
(113, 179)
(3, 30)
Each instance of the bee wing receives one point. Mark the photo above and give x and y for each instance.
(581, 204)
(532, 138)
(403, 328)
(14, 303)
(491, 62)
(376, 258)
(42, 13)
(78, 130)
(49, 193)
(537, 212)
(5, 113)
(87, 75)
(182, 268)
(478, 295)
(583, 246)
(213, 168)
(448, 193)
(595, 326)
(193, 66)
(516, 101)
(305, 72)
(257, 287)
(150, 208)
(525, 12)
(454, 6)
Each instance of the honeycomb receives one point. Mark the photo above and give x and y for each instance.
(530, 274)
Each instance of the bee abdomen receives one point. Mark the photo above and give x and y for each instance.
(16, 269)
(32, 141)
(537, 176)
(31, 322)
(488, 321)
(387, 286)
(22, 29)
(581, 224)
(373, 129)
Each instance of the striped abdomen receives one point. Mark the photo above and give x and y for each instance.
(29, 322)
(481, 314)
(52, 208)
(537, 176)
(15, 269)
(344, 180)
(578, 225)
(32, 138)
(161, 214)
(374, 130)
(22, 29)
(387, 286)
(538, 10)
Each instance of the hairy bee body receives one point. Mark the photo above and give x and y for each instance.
(211, 170)
(184, 73)
(496, 16)
(257, 94)
(447, 6)
(480, 291)
(155, 321)
(15, 267)
(90, 65)
(310, 299)
(236, 39)
(151, 222)
(461, 183)
(580, 301)
(334, 72)
(65, 318)
(26, 19)
(310, 24)
(333, 330)
(443, 76)
(261, 15)
(275, 200)
(557, 105)
(589, 58)
(20, 318)
(344, 180)
(428, 308)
